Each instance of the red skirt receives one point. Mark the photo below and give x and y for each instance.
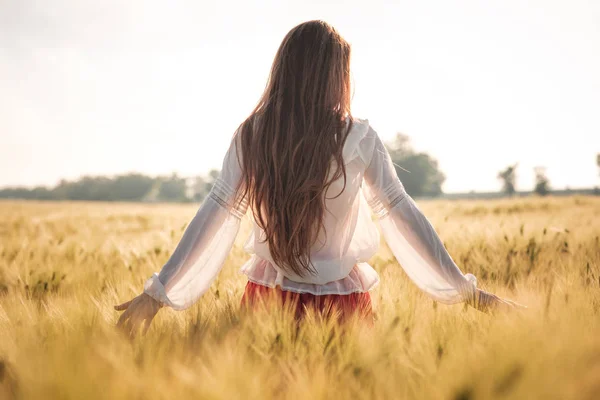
(338, 306)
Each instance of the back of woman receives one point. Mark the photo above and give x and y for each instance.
(311, 176)
(294, 172)
(346, 237)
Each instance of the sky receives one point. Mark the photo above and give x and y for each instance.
(109, 87)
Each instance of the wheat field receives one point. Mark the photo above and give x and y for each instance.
(64, 265)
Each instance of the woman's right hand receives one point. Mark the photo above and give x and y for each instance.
(137, 310)
(489, 302)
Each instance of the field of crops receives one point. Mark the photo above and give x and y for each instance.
(64, 265)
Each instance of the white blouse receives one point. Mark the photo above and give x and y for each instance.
(340, 253)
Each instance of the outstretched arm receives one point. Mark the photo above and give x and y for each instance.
(413, 240)
(200, 254)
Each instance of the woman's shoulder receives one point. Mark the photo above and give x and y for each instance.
(359, 122)
(362, 128)
(359, 140)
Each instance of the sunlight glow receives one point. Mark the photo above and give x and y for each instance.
(159, 87)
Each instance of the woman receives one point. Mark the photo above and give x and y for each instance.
(312, 175)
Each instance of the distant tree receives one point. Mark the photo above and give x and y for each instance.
(41, 193)
(198, 188)
(172, 188)
(131, 187)
(201, 185)
(508, 177)
(86, 188)
(542, 183)
(213, 174)
(15, 193)
(419, 172)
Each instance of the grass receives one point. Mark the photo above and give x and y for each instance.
(64, 265)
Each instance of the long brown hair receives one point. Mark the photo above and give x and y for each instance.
(291, 144)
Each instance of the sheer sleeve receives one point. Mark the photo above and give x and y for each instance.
(205, 244)
(409, 234)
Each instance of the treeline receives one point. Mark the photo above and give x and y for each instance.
(128, 187)
(418, 171)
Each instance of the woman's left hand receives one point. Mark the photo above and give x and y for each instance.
(489, 302)
(137, 310)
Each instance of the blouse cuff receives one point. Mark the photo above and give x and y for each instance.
(155, 289)
(467, 291)
(472, 281)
